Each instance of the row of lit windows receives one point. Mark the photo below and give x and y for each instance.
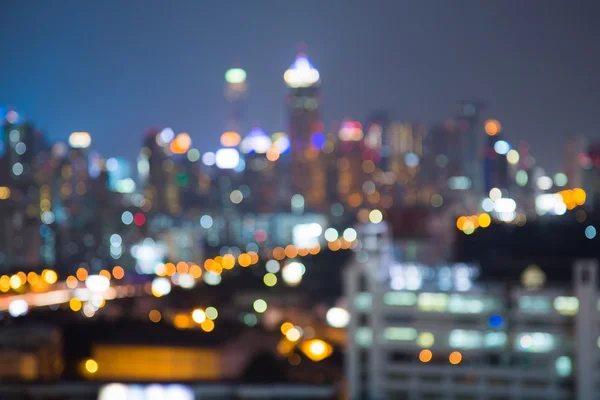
(530, 342)
(469, 304)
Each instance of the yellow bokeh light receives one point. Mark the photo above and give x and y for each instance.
(49, 276)
(15, 282)
(455, 358)
(75, 304)
(579, 196)
(425, 356)
(286, 326)
(155, 316)
(228, 261)
(492, 127)
(4, 283)
(91, 366)
(484, 220)
(460, 222)
(4, 192)
(316, 349)
(270, 279)
(292, 334)
(208, 325)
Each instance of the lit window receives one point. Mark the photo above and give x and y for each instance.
(564, 366)
(463, 339)
(400, 299)
(433, 302)
(566, 305)
(535, 342)
(363, 301)
(364, 336)
(402, 334)
(534, 304)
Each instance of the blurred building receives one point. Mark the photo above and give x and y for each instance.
(236, 91)
(468, 124)
(308, 165)
(590, 162)
(405, 153)
(420, 331)
(575, 147)
(495, 164)
(31, 353)
(349, 157)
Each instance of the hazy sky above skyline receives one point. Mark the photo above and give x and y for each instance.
(115, 68)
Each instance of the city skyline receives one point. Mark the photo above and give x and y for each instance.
(188, 95)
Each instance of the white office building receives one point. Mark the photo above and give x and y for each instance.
(422, 332)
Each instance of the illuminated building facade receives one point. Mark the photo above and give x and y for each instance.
(236, 91)
(468, 124)
(164, 169)
(590, 162)
(349, 162)
(420, 332)
(405, 154)
(495, 164)
(574, 148)
(308, 165)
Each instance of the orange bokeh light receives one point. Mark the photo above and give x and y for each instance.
(425, 356)
(118, 272)
(181, 143)
(492, 127)
(455, 358)
(81, 274)
(230, 139)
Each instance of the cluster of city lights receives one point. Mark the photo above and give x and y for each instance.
(198, 318)
(468, 224)
(294, 338)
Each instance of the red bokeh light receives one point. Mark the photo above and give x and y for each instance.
(139, 219)
(260, 235)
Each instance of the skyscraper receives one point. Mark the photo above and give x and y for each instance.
(468, 120)
(308, 167)
(236, 90)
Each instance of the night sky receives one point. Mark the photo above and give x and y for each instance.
(115, 68)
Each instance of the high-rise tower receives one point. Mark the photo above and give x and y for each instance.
(236, 90)
(308, 166)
